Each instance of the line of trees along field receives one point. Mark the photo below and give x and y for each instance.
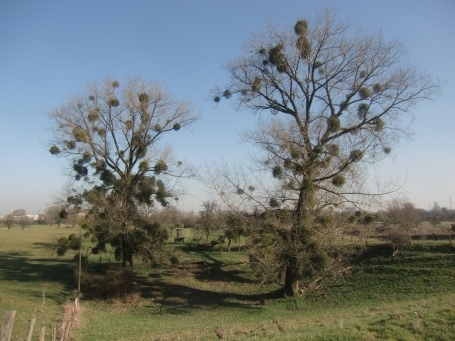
(330, 100)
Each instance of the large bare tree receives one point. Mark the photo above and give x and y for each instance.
(111, 135)
(339, 99)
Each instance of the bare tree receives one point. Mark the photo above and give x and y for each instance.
(112, 137)
(234, 229)
(189, 219)
(339, 99)
(398, 241)
(209, 219)
(403, 214)
(9, 221)
(25, 221)
(54, 215)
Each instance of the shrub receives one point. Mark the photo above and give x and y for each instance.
(398, 240)
(109, 285)
(174, 260)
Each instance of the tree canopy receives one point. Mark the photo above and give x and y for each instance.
(111, 136)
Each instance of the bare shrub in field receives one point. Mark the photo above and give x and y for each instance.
(402, 215)
(398, 240)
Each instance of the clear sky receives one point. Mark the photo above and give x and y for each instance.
(50, 49)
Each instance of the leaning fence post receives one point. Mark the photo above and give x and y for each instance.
(42, 332)
(30, 330)
(7, 326)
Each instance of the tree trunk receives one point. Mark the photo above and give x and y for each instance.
(291, 282)
(303, 216)
(127, 254)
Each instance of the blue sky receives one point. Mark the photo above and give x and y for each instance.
(49, 50)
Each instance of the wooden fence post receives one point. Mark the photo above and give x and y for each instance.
(8, 322)
(7, 326)
(42, 332)
(67, 330)
(30, 329)
(62, 331)
(54, 332)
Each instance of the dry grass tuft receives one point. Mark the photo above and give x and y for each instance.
(219, 331)
(223, 332)
(70, 313)
(279, 325)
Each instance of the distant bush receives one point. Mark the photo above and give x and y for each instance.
(174, 260)
(398, 240)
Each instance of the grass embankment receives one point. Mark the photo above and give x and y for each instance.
(211, 295)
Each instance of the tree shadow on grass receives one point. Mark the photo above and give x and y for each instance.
(180, 298)
(47, 246)
(418, 255)
(216, 271)
(15, 266)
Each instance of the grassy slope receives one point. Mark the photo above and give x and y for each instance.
(412, 298)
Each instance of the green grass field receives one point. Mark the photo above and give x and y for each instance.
(211, 295)
(27, 269)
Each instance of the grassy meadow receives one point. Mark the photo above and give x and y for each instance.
(211, 295)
